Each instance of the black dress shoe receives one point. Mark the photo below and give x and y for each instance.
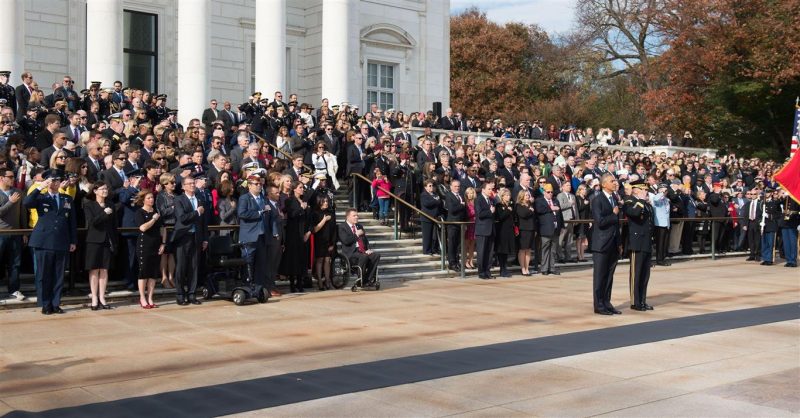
(106, 306)
(638, 308)
(58, 310)
(557, 273)
(545, 273)
(602, 312)
(750, 259)
(195, 302)
(766, 263)
(94, 307)
(614, 311)
(648, 307)
(790, 265)
(46, 310)
(505, 275)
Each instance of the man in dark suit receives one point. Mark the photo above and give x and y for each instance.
(189, 238)
(73, 129)
(605, 243)
(59, 142)
(251, 209)
(127, 214)
(23, 94)
(52, 238)
(509, 172)
(355, 246)
(640, 225)
(752, 213)
(44, 139)
(456, 212)
(211, 114)
(355, 164)
(484, 230)
(115, 176)
(448, 122)
(549, 217)
(297, 169)
(273, 235)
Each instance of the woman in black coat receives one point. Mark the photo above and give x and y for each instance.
(526, 223)
(584, 212)
(505, 241)
(431, 205)
(101, 242)
(294, 263)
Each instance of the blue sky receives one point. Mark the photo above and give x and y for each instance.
(552, 15)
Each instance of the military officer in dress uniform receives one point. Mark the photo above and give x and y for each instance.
(160, 111)
(52, 237)
(7, 91)
(640, 225)
(769, 226)
(788, 225)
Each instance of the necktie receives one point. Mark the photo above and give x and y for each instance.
(611, 201)
(753, 205)
(58, 201)
(96, 164)
(75, 133)
(122, 175)
(359, 242)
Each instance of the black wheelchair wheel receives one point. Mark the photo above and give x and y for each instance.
(239, 296)
(340, 271)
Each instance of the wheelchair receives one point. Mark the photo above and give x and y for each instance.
(224, 278)
(342, 272)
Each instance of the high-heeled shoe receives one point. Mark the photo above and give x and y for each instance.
(105, 306)
(94, 307)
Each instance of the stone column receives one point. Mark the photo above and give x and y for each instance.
(270, 47)
(193, 59)
(12, 43)
(104, 56)
(337, 51)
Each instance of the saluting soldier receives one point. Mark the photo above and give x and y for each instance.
(159, 112)
(52, 238)
(7, 91)
(640, 225)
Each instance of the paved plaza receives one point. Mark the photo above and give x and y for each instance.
(723, 340)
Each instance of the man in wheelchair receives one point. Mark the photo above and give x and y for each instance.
(355, 246)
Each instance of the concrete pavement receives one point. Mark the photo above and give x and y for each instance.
(752, 368)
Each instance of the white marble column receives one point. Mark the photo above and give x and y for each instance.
(270, 47)
(193, 59)
(12, 43)
(104, 56)
(338, 46)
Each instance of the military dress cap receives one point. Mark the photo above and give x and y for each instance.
(264, 101)
(95, 83)
(355, 107)
(307, 175)
(85, 92)
(117, 116)
(254, 177)
(321, 175)
(54, 173)
(249, 166)
(639, 184)
(173, 111)
(6, 73)
(256, 94)
(161, 97)
(188, 166)
(335, 107)
(134, 173)
(199, 176)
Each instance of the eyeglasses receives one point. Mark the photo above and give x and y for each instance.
(121, 158)
(84, 167)
(61, 157)
(159, 159)
(84, 117)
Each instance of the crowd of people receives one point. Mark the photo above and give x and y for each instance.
(116, 162)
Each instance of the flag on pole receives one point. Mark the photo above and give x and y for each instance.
(789, 176)
(795, 129)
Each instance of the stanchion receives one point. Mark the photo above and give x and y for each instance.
(442, 246)
(396, 220)
(463, 232)
(713, 240)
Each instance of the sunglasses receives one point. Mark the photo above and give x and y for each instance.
(61, 157)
